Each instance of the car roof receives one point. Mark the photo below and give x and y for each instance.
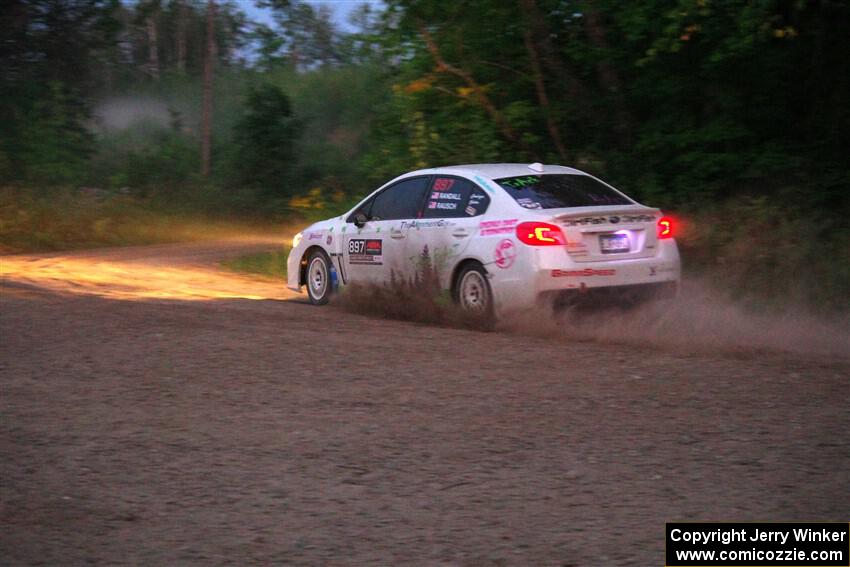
(498, 170)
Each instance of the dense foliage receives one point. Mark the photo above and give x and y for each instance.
(732, 109)
(678, 101)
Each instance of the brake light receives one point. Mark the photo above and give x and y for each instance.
(540, 234)
(664, 228)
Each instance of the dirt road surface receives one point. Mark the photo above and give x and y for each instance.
(157, 411)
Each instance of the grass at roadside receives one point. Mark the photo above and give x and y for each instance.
(762, 255)
(272, 264)
(66, 219)
(753, 250)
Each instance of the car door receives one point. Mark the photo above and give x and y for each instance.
(448, 223)
(375, 250)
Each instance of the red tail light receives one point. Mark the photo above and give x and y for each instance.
(540, 234)
(664, 228)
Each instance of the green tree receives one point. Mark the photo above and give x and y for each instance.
(48, 62)
(305, 36)
(55, 146)
(264, 141)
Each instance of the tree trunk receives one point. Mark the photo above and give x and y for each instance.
(206, 118)
(479, 91)
(543, 96)
(548, 55)
(608, 76)
(153, 47)
(181, 36)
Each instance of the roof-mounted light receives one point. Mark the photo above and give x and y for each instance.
(536, 166)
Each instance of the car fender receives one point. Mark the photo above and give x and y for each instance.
(458, 264)
(318, 236)
(336, 274)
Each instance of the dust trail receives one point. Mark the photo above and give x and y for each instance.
(698, 320)
(416, 301)
(121, 113)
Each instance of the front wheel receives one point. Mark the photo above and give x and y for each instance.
(319, 284)
(473, 293)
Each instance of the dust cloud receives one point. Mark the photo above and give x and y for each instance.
(121, 113)
(700, 319)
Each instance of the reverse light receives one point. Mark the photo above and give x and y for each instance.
(540, 234)
(664, 228)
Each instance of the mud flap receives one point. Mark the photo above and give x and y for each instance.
(337, 272)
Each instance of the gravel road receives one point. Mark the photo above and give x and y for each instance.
(157, 411)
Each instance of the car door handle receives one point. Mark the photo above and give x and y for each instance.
(460, 233)
(394, 233)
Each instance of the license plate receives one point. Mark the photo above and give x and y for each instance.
(613, 243)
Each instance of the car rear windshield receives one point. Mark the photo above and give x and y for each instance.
(556, 191)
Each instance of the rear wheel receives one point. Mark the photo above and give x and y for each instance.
(473, 293)
(319, 284)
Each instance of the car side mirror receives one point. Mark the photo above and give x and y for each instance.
(360, 220)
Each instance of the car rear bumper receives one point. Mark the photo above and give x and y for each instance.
(610, 295)
(551, 276)
(626, 273)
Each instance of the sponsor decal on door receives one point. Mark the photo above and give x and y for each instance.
(365, 251)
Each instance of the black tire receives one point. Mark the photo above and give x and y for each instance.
(318, 278)
(473, 294)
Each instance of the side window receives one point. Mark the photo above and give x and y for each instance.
(453, 197)
(400, 201)
(478, 202)
(364, 208)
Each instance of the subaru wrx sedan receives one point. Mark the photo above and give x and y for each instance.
(501, 237)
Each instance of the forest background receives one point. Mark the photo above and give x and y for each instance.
(121, 122)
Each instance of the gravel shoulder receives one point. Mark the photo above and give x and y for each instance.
(189, 416)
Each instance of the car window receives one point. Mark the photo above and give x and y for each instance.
(556, 191)
(399, 201)
(364, 208)
(451, 197)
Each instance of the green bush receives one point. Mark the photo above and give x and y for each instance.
(759, 250)
(272, 264)
(33, 220)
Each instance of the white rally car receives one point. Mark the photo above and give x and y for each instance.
(501, 236)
